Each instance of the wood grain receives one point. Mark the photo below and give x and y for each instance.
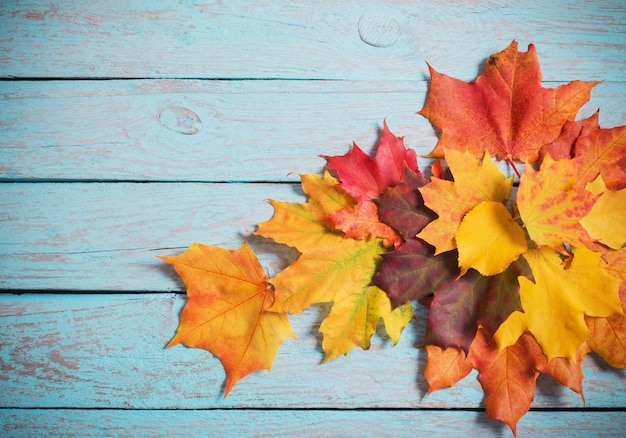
(386, 40)
(133, 129)
(94, 236)
(318, 423)
(107, 351)
(212, 130)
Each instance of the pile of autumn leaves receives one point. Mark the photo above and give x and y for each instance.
(520, 280)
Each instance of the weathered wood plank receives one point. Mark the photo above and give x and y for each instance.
(318, 423)
(107, 351)
(212, 130)
(326, 39)
(93, 236)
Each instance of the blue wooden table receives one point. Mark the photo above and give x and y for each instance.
(131, 129)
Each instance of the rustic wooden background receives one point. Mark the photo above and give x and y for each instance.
(131, 129)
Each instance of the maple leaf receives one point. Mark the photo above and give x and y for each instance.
(602, 151)
(365, 178)
(331, 268)
(474, 182)
(608, 335)
(445, 367)
(563, 146)
(353, 318)
(300, 225)
(606, 222)
(565, 371)
(402, 207)
(556, 303)
(361, 222)
(460, 305)
(505, 111)
(488, 239)
(412, 272)
(226, 312)
(507, 376)
(551, 207)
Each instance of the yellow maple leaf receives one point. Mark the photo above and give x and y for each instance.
(551, 206)
(556, 303)
(300, 225)
(331, 268)
(474, 182)
(353, 318)
(226, 311)
(606, 222)
(608, 335)
(488, 239)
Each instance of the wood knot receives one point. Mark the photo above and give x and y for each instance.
(179, 119)
(378, 30)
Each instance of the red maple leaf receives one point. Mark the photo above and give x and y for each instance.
(505, 110)
(367, 178)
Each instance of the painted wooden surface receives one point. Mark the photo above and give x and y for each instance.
(133, 129)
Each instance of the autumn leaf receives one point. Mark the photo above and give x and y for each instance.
(608, 335)
(402, 207)
(505, 111)
(331, 268)
(367, 178)
(606, 222)
(228, 295)
(488, 239)
(562, 148)
(602, 151)
(412, 272)
(551, 207)
(299, 225)
(445, 367)
(556, 303)
(565, 371)
(474, 182)
(353, 318)
(608, 339)
(361, 222)
(507, 376)
(323, 274)
(461, 305)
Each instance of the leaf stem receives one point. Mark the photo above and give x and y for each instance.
(512, 163)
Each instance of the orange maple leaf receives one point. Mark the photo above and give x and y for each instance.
(563, 146)
(445, 367)
(505, 110)
(362, 222)
(508, 376)
(566, 371)
(602, 151)
(226, 309)
(551, 207)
